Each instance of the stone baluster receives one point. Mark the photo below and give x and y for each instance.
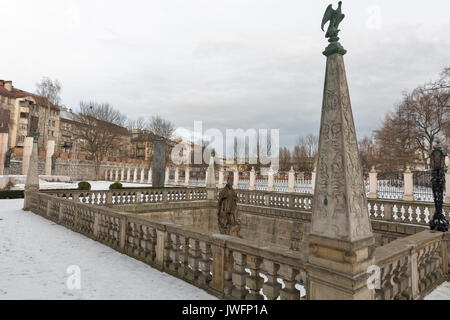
(183, 254)
(187, 173)
(116, 178)
(205, 263)
(135, 174)
(239, 275)
(174, 252)
(373, 184)
(236, 179)
(252, 186)
(111, 174)
(271, 288)
(106, 174)
(270, 185)
(142, 175)
(194, 258)
(254, 282)
(221, 178)
(289, 292)
(291, 181)
(409, 186)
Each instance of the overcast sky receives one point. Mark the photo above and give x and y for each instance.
(230, 63)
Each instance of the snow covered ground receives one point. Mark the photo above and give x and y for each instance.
(441, 293)
(35, 255)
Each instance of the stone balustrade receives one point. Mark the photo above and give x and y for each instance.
(411, 267)
(235, 268)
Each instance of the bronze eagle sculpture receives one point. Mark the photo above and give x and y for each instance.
(335, 17)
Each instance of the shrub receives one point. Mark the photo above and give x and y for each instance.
(12, 194)
(116, 185)
(84, 185)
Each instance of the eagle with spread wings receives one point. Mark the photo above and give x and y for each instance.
(335, 17)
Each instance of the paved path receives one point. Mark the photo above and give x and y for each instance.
(35, 254)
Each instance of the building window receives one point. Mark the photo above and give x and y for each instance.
(21, 138)
(23, 127)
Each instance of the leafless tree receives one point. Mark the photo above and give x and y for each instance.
(100, 131)
(137, 124)
(50, 89)
(161, 127)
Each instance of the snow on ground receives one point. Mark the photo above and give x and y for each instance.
(95, 185)
(35, 254)
(440, 293)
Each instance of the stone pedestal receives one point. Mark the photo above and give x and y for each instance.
(252, 179)
(447, 187)
(32, 182)
(26, 154)
(159, 164)
(373, 184)
(291, 181)
(341, 240)
(409, 185)
(3, 150)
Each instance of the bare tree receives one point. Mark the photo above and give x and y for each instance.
(138, 124)
(50, 89)
(100, 131)
(161, 127)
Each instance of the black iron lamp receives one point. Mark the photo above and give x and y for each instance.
(437, 163)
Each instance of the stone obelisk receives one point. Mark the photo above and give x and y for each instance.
(341, 239)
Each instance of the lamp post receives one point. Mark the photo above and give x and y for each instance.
(437, 163)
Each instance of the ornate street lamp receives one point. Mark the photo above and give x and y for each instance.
(437, 162)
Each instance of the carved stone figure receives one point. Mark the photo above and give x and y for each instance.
(7, 162)
(229, 223)
(335, 17)
(53, 162)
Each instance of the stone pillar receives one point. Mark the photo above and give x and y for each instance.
(313, 180)
(341, 242)
(211, 181)
(122, 175)
(32, 182)
(116, 178)
(252, 179)
(3, 150)
(373, 184)
(111, 174)
(187, 173)
(236, 179)
(270, 186)
(142, 175)
(26, 154)
(106, 174)
(48, 157)
(447, 186)
(409, 185)
(166, 176)
(291, 181)
(129, 174)
(135, 175)
(159, 164)
(177, 175)
(149, 180)
(221, 178)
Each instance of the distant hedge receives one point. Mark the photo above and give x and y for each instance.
(116, 185)
(11, 194)
(84, 185)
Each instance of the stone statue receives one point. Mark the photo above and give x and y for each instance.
(229, 224)
(335, 17)
(53, 162)
(7, 162)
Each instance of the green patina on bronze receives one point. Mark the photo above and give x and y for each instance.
(35, 136)
(335, 17)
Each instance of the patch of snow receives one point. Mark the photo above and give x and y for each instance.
(95, 185)
(35, 254)
(440, 293)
